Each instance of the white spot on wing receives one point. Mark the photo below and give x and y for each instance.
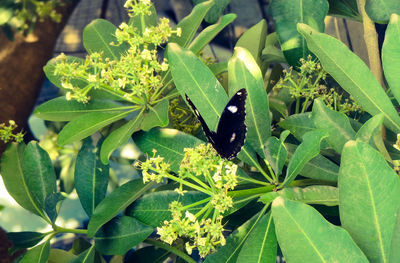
(232, 109)
(232, 137)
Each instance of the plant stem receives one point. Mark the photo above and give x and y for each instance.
(252, 191)
(172, 249)
(371, 40)
(198, 188)
(60, 229)
(196, 203)
(253, 181)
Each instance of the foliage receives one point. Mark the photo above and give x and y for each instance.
(22, 15)
(315, 182)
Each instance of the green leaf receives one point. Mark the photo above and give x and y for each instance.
(272, 52)
(234, 242)
(352, 75)
(216, 11)
(253, 40)
(208, 34)
(148, 254)
(276, 154)
(153, 208)
(61, 109)
(169, 144)
(344, 8)
(369, 196)
(119, 137)
(85, 257)
(334, 123)
(195, 79)
(370, 128)
(319, 167)
(52, 206)
(307, 150)
(87, 124)
(15, 180)
(60, 256)
(245, 73)
(39, 173)
(22, 240)
(120, 234)
(157, 116)
(97, 37)
(395, 246)
(305, 236)
(298, 124)
(286, 14)
(91, 176)
(190, 24)
(261, 245)
(38, 254)
(115, 202)
(141, 21)
(380, 10)
(315, 194)
(391, 56)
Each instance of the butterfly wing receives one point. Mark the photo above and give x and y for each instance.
(211, 136)
(231, 131)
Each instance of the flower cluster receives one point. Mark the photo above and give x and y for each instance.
(204, 170)
(307, 84)
(135, 76)
(6, 132)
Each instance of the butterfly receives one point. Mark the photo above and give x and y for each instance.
(231, 130)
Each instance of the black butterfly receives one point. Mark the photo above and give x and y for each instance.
(231, 131)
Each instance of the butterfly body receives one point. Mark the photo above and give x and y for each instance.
(231, 131)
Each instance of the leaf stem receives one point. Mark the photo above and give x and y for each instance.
(172, 249)
(60, 229)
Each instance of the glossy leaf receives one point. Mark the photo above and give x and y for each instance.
(391, 55)
(319, 167)
(335, 124)
(119, 137)
(87, 124)
(352, 75)
(191, 23)
(216, 11)
(276, 154)
(370, 128)
(298, 124)
(208, 34)
(380, 10)
(244, 73)
(253, 40)
(234, 242)
(97, 37)
(91, 176)
(395, 246)
(60, 256)
(315, 194)
(369, 195)
(344, 8)
(15, 180)
(39, 173)
(85, 257)
(261, 245)
(169, 143)
(286, 14)
(22, 240)
(316, 240)
(121, 234)
(153, 208)
(38, 254)
(115, 202)
(52, 206)
(61, 109)
(156, 116)
(307, 150)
